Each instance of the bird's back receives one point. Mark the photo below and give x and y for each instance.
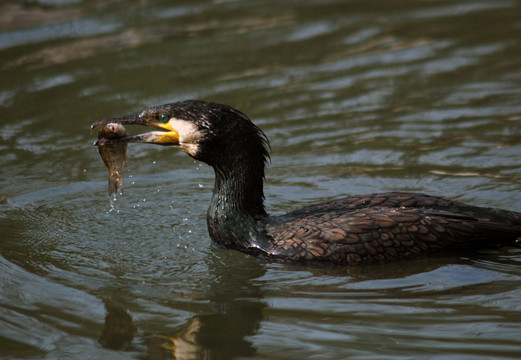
(385, 227)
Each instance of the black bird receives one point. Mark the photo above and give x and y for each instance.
(361, 229)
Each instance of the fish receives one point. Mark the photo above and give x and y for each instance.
(114, 154)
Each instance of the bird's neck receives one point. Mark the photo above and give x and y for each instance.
(237, 204)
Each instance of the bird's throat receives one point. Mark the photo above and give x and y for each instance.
(236, 207)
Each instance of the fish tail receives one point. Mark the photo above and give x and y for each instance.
(115, 184)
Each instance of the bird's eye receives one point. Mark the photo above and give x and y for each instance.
(163, 118)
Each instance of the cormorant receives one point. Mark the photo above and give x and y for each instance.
(361, 229)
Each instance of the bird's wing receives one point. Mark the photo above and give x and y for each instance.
(378, 234)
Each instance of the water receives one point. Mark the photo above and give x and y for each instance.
(356, 97)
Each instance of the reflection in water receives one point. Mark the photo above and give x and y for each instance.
(238, 310)
(119, 330)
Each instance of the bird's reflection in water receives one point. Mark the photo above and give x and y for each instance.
(237, 305)
(119, 329)
(217, 336)
(184, 345)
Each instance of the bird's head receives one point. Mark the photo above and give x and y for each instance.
(209, 132)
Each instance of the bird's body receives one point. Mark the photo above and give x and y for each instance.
(388, 226)
(363, 229)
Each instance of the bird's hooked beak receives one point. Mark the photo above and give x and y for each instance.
(167, 137)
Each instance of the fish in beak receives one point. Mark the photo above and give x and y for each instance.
(168, 136)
